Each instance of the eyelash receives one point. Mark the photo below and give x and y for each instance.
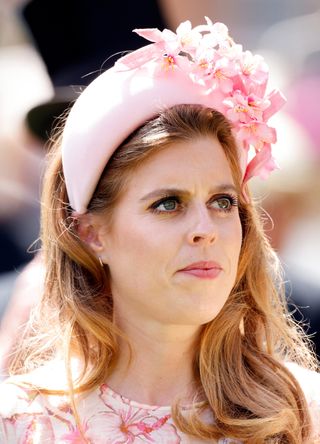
(233, 200)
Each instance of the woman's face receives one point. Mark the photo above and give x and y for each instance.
(179, 210)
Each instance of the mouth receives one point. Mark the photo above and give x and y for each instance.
(204, 270)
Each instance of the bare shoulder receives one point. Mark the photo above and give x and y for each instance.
(309, 381)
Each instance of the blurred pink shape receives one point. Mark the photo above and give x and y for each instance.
(304, 107)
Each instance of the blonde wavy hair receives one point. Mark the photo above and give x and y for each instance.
(239, 363)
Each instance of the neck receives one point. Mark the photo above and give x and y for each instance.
(160, 368)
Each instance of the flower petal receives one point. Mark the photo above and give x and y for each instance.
(257, 133)
(151, 34)
(265, 133)
(169, 36)
(261, 165)
(139, 57)
(221, 29)
(277, 100)
(184, 28)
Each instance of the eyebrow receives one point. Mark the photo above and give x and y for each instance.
(224, 188)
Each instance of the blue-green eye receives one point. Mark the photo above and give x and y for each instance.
(224, 203)
(166, 205)
(170, 204)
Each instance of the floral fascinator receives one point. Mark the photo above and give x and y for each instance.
(200, 65)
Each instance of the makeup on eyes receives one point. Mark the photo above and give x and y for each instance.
(230, 200)
(167, 192)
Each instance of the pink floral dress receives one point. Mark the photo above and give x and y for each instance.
(27, 417)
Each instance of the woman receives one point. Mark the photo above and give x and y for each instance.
(162, 318)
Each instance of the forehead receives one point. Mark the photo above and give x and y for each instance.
(188, 163)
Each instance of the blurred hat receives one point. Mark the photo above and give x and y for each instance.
(77, 39)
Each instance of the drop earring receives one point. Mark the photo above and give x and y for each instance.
(100, 260)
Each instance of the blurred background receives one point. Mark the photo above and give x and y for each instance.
(51, 49)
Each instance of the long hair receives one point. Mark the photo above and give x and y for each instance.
(239, 364)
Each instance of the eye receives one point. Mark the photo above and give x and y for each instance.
(224, 203)
(166, 205)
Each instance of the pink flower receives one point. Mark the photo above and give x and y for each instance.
(128, 423)
(110, 427)
(233, 51)
(217, 33)
(221, 75)
(165, 43)
(166, 47)
(203, 64)
(131, 425)
(245, 108)
(254, 72)
(254, 66)
(234, 81)
(256, 134)
(187, 37)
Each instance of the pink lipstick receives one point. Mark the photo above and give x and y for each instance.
(203, 269)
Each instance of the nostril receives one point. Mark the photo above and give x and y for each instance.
(198, 238)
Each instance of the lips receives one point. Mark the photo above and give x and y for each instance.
(203, 270)
(203, 265)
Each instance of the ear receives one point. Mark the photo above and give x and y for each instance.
(89, 231)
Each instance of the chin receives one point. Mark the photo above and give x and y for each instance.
(198, 315)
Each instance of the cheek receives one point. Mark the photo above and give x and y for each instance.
(231, 237)
(137, 245)
(231, 233)
(238, 237)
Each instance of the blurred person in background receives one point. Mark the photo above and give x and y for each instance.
(23, 82)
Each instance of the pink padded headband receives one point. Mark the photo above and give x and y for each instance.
(192, 66)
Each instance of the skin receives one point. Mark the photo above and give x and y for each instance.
(160, 308)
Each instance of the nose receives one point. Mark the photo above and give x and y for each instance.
(202, 230)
